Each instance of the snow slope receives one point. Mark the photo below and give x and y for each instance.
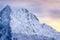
(27, 23)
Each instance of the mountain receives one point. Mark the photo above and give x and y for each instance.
(5, 29)
(26, 26)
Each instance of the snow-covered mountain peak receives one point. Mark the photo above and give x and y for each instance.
(25, 22)
(5, 15)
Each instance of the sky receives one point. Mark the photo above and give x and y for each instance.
(47, 11)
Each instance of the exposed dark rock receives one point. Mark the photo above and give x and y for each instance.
(5, 30)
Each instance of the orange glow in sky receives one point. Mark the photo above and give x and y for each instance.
(52, 22)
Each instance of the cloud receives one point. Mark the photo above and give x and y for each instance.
(55, 13)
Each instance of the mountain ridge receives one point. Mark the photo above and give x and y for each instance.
(23, 22)
(33, 24)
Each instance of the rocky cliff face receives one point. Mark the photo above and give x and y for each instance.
(5, 29)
